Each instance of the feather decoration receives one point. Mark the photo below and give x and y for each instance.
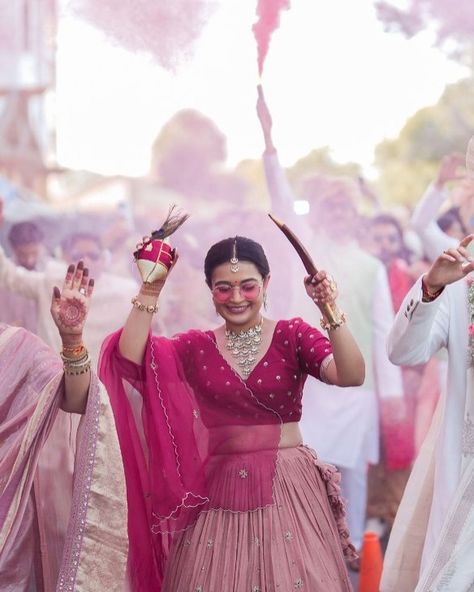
(171, 224)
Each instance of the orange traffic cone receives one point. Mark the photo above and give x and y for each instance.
(370, 563)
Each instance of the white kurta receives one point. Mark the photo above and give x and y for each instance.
(108, 311)
(419, 331)
(341, 424)
(423, 220)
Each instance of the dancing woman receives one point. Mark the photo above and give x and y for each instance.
(224, 494)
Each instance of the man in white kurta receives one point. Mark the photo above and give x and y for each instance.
(342, 425)
(430, 548)
(112, 294)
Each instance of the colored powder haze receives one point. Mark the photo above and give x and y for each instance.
(332, 77)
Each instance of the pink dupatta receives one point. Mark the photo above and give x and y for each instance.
(176, 435)
(52, 485)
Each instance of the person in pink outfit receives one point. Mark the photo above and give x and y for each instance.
(59, 494)
(225, 496)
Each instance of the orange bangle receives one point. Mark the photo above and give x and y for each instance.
(74, 352)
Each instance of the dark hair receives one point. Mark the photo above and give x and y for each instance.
(388, 219)
(72, 239)
(246, 249)
(449, 218)
(404, 252)
(23, 233)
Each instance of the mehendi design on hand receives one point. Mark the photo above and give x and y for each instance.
(72, 313)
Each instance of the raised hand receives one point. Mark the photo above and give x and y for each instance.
(451, 266)
(155, 259)
(265, 118)
(449, 169)
(322, 289)
(69, 306)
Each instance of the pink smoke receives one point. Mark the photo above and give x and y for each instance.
(166, 29)
(268, 12)
(452, 20)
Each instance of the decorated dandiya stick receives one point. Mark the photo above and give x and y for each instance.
(305, 258)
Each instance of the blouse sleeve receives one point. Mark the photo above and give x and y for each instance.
(313, 348)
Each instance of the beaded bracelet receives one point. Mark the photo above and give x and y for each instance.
(77, 371)
(151, 308)
(332, 326)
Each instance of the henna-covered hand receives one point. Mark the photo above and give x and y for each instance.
(322, 289)
(69, 306)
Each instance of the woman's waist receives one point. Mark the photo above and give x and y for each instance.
(253, 438)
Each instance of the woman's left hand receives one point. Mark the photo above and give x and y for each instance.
(322, 289)
(69, 307)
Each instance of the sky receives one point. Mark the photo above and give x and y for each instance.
(332, 77)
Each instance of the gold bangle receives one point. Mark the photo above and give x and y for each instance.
(77, 371)
(332, 326)
(76, 366)
(151, 308)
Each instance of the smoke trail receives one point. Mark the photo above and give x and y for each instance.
(268, 12)
(166, 30)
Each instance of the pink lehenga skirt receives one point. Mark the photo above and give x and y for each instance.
(297, 543)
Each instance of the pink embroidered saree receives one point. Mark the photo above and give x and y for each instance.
(62, 495)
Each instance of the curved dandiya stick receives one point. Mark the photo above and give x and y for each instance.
(305, 258)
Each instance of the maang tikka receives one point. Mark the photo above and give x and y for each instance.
(234, 262)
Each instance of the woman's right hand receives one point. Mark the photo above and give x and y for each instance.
(452, 265)
(69, 306)
(322, 290)
(155, 259)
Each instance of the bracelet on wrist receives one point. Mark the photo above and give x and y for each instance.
(72, 352)
(339, 320)
(77, 365)
(427, 295)
(150, 308)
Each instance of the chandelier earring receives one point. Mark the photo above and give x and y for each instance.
(265, 301)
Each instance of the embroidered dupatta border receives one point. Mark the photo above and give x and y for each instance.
(96, 548)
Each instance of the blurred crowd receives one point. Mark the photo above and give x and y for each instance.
(375, 255)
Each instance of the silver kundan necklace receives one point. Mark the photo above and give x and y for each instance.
(244, 346)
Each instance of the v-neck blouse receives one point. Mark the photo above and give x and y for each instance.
(275, 384)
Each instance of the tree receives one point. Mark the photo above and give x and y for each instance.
(320, 161)
(408, 163)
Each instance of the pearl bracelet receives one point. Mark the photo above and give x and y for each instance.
(151, 308)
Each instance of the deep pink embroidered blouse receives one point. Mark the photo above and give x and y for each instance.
(276, 383)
